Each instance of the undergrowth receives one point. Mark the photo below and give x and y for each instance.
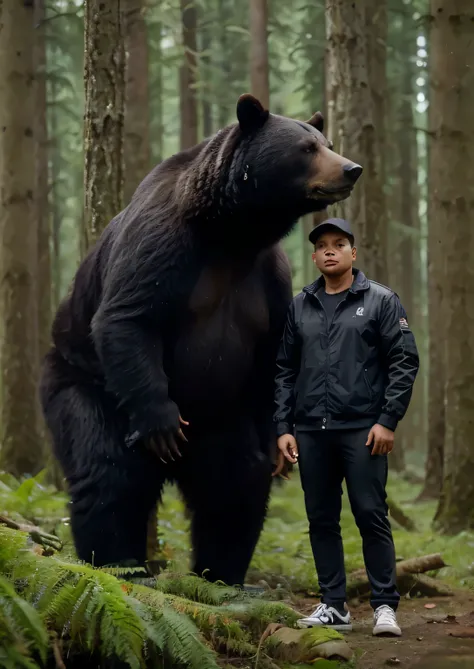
(51, 605)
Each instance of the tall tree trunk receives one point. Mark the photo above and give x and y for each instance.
(259, 75)
(434, 467)
(21, 450)
(452, 193)
(42, 183)
(222, 17)
(206, 45)
(376, 206)
(352, 118)
(137, 136)
(188, 76)
(156, 90)
(407, 266)
(104, 77)
(56, 211)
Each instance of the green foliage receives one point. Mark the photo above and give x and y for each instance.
(184, 621)
(94, 611)
(196, 589)
(22, 631)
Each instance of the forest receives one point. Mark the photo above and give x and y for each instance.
(93, 94)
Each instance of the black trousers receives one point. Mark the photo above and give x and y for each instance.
(325, 459)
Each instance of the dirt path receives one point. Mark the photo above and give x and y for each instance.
(427, 640)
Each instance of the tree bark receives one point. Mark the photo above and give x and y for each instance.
(222, 18)
(104, 77)
(21, 451)
(434, 467)
(405, 213)
(452, 194)
(156, 90)
(353, 110)
(56, 212)
(188, 76)
(259, 77)
(376, 206)
(205, 60)
(42, 183)
(137, 135)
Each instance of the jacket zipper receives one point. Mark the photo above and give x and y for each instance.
(328, 328)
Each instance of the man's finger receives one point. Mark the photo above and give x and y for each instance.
(181, 420)
(279, 465)
(378, 444)
(290, 457)
(370, 437)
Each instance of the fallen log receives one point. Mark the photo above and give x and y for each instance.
(421, 585)
(400, 517)
(358, 583)
(39, 536)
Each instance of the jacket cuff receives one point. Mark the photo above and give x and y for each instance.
(388, 421)
(283, 428)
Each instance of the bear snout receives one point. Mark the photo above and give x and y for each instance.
(352, 172)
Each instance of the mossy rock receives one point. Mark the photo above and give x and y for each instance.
(294, 645)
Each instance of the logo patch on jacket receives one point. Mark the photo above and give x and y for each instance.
(360, 311)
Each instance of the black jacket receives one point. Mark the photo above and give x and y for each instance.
(348, 374)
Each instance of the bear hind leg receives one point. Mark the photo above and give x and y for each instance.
(113, 489)
(226, 484)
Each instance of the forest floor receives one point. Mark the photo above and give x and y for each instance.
(427, 640)
(437, 633)
(283, 560)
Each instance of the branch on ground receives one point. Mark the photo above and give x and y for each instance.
(408, 578)
(39, 536)
(400, 517)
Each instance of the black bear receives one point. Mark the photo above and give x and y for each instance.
(174, 317)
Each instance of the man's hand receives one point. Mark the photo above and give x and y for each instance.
(382, 438)
(287, 452)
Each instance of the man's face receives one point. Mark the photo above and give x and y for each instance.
(333, 253)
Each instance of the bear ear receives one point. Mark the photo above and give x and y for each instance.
(317, 121)
(250, 113)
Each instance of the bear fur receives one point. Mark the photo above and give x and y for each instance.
(177, 311)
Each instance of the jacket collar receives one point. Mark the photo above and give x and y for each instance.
(360, 283)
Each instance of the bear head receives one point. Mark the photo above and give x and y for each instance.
(290, 162)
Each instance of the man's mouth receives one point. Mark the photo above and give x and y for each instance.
(330, 263)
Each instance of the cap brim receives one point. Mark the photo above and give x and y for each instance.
(325, 227)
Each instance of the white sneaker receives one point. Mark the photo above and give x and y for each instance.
(327, 616)
(385, 621)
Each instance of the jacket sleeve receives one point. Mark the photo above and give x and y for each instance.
(400, 355)
(288, 364)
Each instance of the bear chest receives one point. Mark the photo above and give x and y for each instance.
(223, 298)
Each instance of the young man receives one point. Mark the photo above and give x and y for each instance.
(346, 368)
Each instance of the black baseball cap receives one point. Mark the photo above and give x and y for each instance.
(331, 224)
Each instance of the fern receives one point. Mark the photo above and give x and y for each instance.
(215, 624)
(21, 630)
(94, 611)
(197, 589)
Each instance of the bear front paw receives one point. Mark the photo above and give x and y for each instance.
(161, 433)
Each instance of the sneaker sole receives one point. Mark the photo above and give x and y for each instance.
(338, 628)
(386, 631)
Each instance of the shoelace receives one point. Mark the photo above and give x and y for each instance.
(385, 616)
(320, 612)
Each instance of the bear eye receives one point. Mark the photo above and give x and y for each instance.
(310, 148)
